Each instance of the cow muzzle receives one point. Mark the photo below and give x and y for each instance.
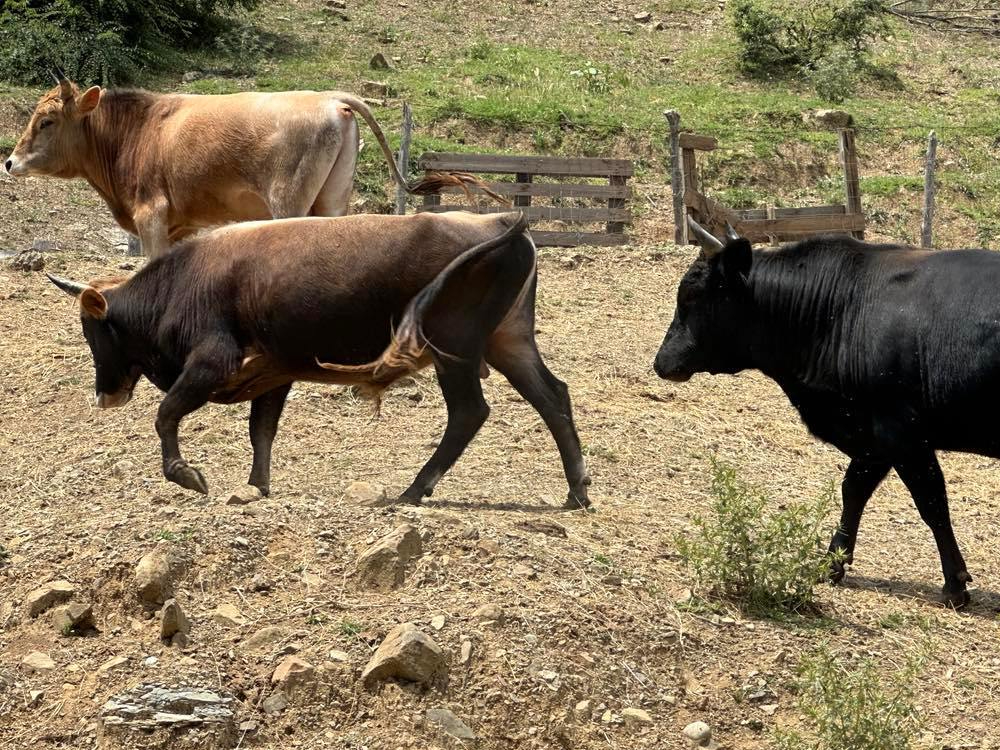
(112, 400)
(15, 167)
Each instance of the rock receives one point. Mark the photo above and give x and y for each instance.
(466, 653)
(375, 88)
(173, 620)
(191, 75)
(699, 734)
(159, 716)
(73, 618)
(450, 723)
(44, 246)
(488, 546)
(543, 526)
(113, 663)
(118, 239)
(150, 661)
(36, 696)
(47, 596)
(643, 17)
(834, 119)
(275, 703)
(228, 616)
(383, 565)
(490, 614)
(293, 674)
(180, 641)
(158, 572)
(266, 638)
(378, 62)
(524, 571)
(437, 622)
(365, 493)
(582, 710)
(339, 656)
(636, 717)
(242, 496)
(406, 654)
(36, 661)
(27, 260)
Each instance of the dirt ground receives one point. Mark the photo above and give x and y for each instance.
(82, 499)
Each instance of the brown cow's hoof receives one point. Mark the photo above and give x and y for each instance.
(188, 477)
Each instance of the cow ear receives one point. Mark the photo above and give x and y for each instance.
(737, 257)
(93, 303)
(88, 101)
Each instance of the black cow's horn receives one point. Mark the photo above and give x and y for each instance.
(708, 240)
(70, 287)
(731, 234)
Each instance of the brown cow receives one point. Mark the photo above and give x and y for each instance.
(241, 313)
(168, 165)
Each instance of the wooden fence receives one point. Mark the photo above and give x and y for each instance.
(609, 201)
(770, 224)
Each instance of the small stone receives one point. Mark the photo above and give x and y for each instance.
(490, 613)
(36, 696)
(523, 571)
(293, 674)
(312, 580)
(275, 703)
(229, 616)
(266, 638)
(242, 495)
(47, 596)
(451, 724)
(769, 708)
(339, 656)
(365, 493)
(378, 62)
(643, 17)
(548, 675)
(582, 710)
(248, 727)
(699, 733)
(36, 661)
(242, 542)
(407, 654)
(150, 661)
(113, 663)
(488, 546)
(383, 565)
(375, 88)
(437, 622)
(158, 572)
(173, 620)
(44, 246)
(27, 260)
(73, 618)
(607, 717)
(636, 716)
(466, 653)
(833, 119)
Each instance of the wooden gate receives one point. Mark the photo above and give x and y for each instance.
(606, 204)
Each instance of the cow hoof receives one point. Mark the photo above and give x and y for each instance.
(955, 599)
(576, 501)
(405, 499)
(187, 477)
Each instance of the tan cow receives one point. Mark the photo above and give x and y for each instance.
(168, 165)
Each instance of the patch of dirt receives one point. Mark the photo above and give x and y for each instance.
(589, 616)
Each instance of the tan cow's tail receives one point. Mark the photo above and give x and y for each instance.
(430, 184)
(406, 352)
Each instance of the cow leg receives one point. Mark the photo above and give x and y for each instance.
(519, 361)
(335, 196)
(206, 369)
(860, 481)
(922, 476)
(467, 411)
(265, 411)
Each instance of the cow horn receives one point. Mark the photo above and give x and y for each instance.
(70, 287)
(731, 234)
(708, 240)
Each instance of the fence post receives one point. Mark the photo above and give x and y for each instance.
(852, 185)
(403, 159)
(676, 186)
(926, 228)
(134, 247)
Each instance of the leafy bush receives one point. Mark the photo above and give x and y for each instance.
(826, 41)
(854, 707)
(98, 40)
(764, 563)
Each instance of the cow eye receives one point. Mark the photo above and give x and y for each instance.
(44, 124)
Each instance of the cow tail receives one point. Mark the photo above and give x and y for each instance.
(409, 344)
(434, 181)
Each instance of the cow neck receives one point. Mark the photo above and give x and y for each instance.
(805, 304)
(115, 134)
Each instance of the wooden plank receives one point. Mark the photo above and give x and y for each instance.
(689, 183)
(615, 204)
(795, 225)
(522, 199)
(575, 239)
(539, 165)
(837, 210)
(553, 190)
(541, 213)
(676, 186)
(852, 184)
(752, 213)
(698, 142)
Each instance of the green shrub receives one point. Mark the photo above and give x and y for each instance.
(850, 707)
(824, 41)
(102, 40)
(765, 563)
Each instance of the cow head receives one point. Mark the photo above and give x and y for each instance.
(713, 302)
(116, 372)
(55, 132)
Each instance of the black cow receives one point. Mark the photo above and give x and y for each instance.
(241, 313)
(888, 352)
